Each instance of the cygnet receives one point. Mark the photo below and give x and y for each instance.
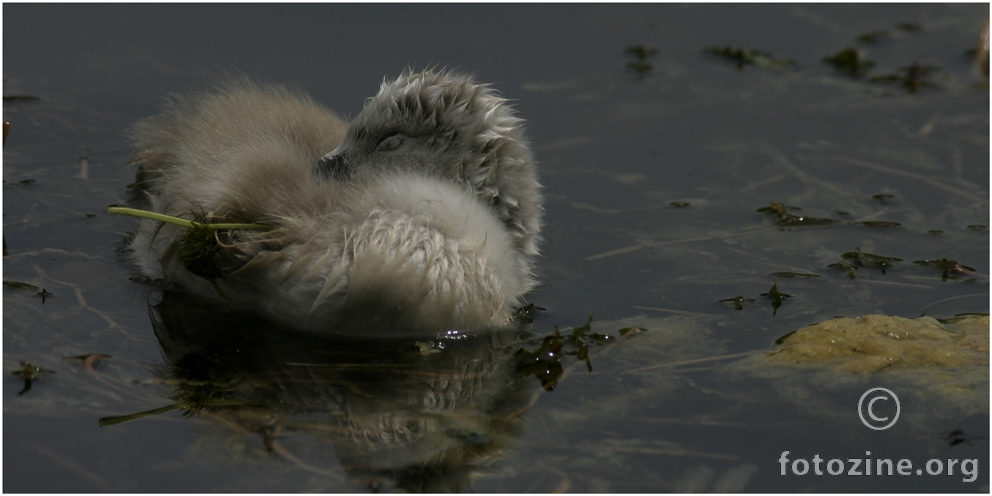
(423, 214)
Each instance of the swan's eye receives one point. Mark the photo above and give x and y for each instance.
(391, 143)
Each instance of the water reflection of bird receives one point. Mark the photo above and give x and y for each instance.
(393, 414)
(425, 214)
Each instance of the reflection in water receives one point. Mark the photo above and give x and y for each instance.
(423, 415)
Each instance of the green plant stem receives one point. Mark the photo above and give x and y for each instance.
(108, 421)
(144, 214)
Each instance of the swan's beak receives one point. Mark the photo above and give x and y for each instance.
(332, 166)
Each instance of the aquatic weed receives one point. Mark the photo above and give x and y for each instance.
(783, 216)
(777, 298)
(850, 62)
(913, 77)
(743, 57)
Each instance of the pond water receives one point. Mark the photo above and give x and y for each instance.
(655, 157)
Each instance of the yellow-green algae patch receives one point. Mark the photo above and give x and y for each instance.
(876, 342)
(941, 367)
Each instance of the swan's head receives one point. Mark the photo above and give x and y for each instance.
(445, 126)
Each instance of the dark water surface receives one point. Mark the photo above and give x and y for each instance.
(268, 410)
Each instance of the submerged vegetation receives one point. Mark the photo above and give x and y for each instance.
(29, 373)
(873, 36)
(19, 285)
(641, 67)
(856, 259)
(738, 302)
(850, 62)
(544, 362)
(742, 57)
(870, 260)
(913, 77)
(20, 98)
(911, 27)
(777, 298)
(878, 223)
(950, 269)
(527, 313)
(44, 294)
(783, 216)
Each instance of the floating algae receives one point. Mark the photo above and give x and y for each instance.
(824, 367)
(875, 342)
